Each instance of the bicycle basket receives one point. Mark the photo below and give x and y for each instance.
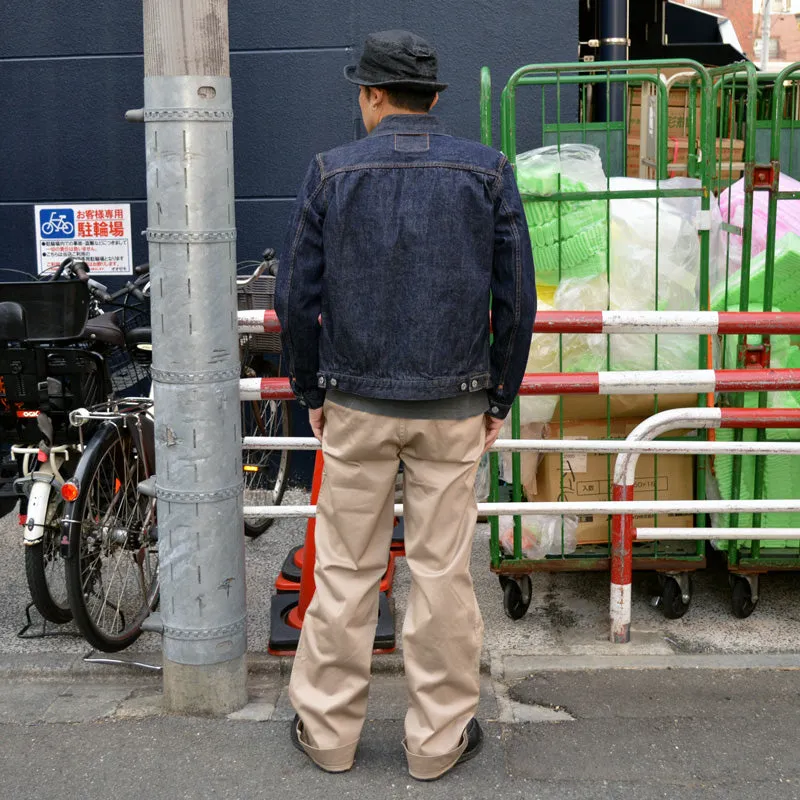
(128, 367)
(55, 311)
(258, 295)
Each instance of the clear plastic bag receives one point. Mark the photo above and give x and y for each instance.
(541, 535)
(569, 238)
(579, 352)
(655, 264)
(482, 480)
(731, 207)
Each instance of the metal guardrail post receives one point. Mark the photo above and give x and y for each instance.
(192, 240)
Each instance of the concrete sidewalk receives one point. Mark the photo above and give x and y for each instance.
(610, 733)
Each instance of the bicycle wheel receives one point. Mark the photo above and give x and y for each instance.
(112, 561)
(265, 471)
(45, 569)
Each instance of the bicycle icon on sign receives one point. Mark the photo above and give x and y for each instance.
(60, 224)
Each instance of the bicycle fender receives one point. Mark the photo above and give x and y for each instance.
(38, 503)
(100, 439)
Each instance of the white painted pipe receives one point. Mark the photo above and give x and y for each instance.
(605, 507)
(693, 534)
(572, 446)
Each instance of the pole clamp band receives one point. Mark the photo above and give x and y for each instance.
(190, 237)
(210, 376)
(178, 496)
(198, 634)
(187, 115)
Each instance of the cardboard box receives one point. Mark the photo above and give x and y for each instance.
(595, 406)
(729, 159)
(678, 111)
(586, 477)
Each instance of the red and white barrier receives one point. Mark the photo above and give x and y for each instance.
(688, 322)
(622, 506)
(700, 381)
(622, 530)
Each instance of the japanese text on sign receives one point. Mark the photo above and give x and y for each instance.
(99, 234)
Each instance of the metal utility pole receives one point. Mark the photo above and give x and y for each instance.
(192, 241)
(766, 28)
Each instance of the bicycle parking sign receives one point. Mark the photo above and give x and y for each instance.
(97, 233)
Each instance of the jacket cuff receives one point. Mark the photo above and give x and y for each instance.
(497, 408)
(313, 398)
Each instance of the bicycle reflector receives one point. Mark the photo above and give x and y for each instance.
(250, 468)
(70, 491)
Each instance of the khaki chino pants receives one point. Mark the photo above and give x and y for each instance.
(443, 629)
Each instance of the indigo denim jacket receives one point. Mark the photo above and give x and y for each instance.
(395, 244)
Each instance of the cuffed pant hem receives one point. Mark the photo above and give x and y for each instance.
(333, 759)
(428, 768)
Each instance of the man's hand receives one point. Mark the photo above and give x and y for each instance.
(493, 426)
(317, 419)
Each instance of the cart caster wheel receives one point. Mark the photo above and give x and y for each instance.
(672, 603)
(742, 603)
(517, 596)
(504, 581)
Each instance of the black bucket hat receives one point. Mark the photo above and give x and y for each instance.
(396, 58)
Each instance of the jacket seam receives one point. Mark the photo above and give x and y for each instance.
(328, 373)
(499, 178)
(517, 291)
(426, 165)
(292, 261)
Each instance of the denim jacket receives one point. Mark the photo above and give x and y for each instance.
(395, 244)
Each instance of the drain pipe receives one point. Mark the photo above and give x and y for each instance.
(614, 46)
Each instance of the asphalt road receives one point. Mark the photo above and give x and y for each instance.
(626, 734)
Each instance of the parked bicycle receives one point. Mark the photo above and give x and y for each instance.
(110, 529)
(57, 351)
(110, 532)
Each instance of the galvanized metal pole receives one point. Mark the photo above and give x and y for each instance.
(192, 241)
(766, 29)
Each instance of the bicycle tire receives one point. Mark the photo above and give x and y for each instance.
(42, 560)
(110, 527)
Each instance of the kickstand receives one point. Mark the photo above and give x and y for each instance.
(25, 631)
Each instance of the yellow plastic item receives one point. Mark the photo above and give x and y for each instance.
(546, 293)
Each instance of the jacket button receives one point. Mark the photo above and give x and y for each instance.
(463, 387)
(321, 381)
(474, 383)
(495, 409)
(334, 382)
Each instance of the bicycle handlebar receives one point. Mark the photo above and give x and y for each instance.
(269, 264)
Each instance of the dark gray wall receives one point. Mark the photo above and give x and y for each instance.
(70, 70)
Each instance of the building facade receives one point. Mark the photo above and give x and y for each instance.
(746, 17)
(72, 69)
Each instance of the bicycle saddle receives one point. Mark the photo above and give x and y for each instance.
(105, 328)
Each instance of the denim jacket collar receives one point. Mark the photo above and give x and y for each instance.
(408, 123)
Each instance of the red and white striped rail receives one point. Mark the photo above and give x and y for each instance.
(623, 533)
(701, 381)
(688, 322)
